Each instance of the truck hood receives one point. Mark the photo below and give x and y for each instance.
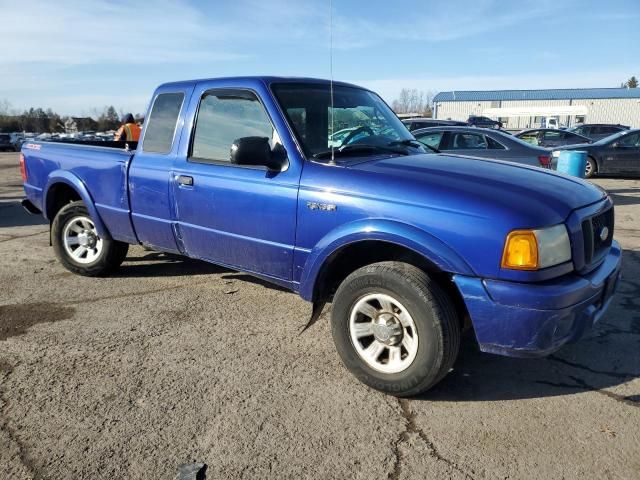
(533, 197)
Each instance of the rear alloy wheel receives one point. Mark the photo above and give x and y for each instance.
(78, 245)
(81, 240)
(394, 328)
(591, 168)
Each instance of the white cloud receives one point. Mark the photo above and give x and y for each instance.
(442, 22)
(74, 32)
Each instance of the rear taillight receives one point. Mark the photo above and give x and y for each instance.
(23, 169)
(545, 161)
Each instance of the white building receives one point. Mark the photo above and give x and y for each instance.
(518, 109)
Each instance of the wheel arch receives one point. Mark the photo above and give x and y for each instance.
(354, 245)
(62, 188)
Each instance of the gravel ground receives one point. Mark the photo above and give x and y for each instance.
(172, 361)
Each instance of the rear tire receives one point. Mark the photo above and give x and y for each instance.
(592, 168)
(394, 328)
(78, 246)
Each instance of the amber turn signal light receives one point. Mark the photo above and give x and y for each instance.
(520, 251)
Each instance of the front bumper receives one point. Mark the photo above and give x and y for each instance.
(536, 319)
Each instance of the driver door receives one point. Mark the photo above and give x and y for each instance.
(625, 156)
(236, 215)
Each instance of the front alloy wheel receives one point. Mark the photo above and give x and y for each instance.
(394, 328)
(383, 333)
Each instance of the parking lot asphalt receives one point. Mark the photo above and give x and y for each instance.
(171, 361)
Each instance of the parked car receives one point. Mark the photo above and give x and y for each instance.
(5, 142)
(485, 143)
(550, 122)
(483, 122)
(17, 145)
(417, 123)
(551, 138)
(408, 246)
(616, 154)
(596, 131)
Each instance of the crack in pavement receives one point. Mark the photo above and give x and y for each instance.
(17, 237)
(614, 396)
(5, 370)
(580, 384)
(619, 375)
(615, 330)
(412, 427)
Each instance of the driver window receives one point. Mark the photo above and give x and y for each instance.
(530, 137)
(630, 140)
(553, 135)
(223, 117)
(468, 141)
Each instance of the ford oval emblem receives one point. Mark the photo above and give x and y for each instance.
(604, 233)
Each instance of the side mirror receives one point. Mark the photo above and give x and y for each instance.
(615, 145)
(257, 151)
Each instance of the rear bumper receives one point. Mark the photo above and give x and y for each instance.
(532, 320)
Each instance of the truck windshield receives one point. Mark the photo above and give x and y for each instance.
(358, 117)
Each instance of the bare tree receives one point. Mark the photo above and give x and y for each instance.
(5, 107)
(412, 100)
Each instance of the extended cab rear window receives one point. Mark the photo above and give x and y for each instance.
(161, 125)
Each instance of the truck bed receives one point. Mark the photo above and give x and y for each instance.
(97, 171)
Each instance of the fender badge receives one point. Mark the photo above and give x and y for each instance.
(326, 207)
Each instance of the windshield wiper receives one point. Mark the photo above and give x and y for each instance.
(359, 148)
(413, 143)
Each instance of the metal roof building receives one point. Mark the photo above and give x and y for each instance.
(527, 108)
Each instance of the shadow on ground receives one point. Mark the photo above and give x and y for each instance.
(619, 198)
(607, 357)
(13, 215)
(159, 264)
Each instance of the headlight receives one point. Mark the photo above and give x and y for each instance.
(536, 249)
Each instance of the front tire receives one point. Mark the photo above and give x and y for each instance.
(591, 168)
(78, 246)
(394, 328)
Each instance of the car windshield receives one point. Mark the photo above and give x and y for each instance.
(357, 117)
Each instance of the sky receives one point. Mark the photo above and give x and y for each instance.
(77, 56)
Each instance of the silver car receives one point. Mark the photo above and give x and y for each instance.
(485, 143)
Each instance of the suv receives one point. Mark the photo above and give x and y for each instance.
(596, 131)
(417, 123)
(484, 122)
(5, 142)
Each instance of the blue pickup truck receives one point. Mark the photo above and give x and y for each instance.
(412, 247)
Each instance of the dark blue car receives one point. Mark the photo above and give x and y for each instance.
(483, 122)
(409, 246)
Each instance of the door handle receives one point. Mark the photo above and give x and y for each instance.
(185, 180)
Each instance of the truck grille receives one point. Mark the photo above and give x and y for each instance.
(597, 232)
